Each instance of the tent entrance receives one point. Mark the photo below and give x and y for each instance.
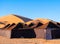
(55, 34)
(26, 33)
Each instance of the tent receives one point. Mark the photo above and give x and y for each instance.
(41, 30)
(47, 31)
(18, 31)
(34, 23)
(28, 32)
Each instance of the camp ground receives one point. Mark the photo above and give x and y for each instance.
(14, 26)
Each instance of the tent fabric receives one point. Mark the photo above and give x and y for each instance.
(58, 24)
(49, 25)
(55, 34)
(6, 26)
(52, 25)
(23, 33)
(19, 25)
(34, 23)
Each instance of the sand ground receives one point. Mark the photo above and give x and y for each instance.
(4, 40)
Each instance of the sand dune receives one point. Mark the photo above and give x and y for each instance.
(11, 19)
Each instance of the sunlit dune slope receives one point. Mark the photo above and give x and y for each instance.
(43, 20)
(1, 25)
(11, 19)
(37, 20)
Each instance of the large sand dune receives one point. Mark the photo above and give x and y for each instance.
(4, 40)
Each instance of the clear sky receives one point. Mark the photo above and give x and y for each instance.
(31, 8)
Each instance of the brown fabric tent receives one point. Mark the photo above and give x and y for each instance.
(46, 31)
(34, 23)
(18, 31)
(42, 31)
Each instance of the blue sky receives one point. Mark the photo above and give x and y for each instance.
(31, 8)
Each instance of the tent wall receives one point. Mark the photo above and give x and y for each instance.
(5, 33)
(48, 34)
(31, 33)
(55, 34)
(40, 33)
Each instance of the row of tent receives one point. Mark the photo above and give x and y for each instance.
(14, 26)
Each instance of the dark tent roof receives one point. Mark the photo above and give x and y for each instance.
(49, 25)
(6, 26)
(39, 24)
(35, 24)
(58, 24)
(12, 25)
(19, 25)
(31, 24)
(52, 25)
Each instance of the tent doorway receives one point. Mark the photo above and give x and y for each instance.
(55, 34)
(23, 33)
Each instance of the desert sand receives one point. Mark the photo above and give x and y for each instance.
(4, 40)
